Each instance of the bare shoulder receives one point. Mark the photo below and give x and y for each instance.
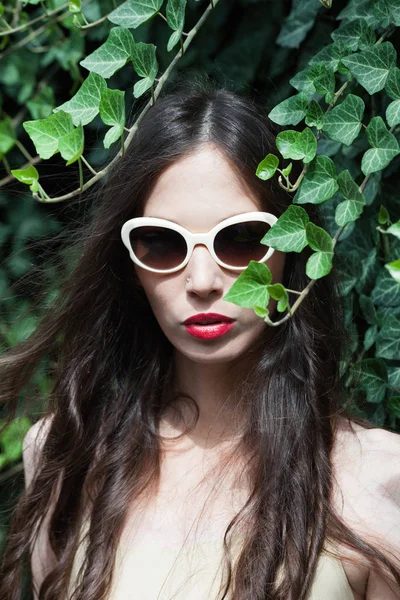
(371, 456)
(366, 495)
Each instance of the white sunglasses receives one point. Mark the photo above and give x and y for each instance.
(162, 246)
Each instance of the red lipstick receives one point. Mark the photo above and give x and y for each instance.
(208, 325)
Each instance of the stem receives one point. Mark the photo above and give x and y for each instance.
(43, 194)
(23, 150)
(295, 186)
(292, 309)
(44, 9)
(35, 33)
(80, 174)
(6, 165)
(282, 185)
(162, 16)
(293, 291)
(100, 174)
(26, 25)
(89, 166)
(122, 145)
(7, 26)
(89, 25)
(302, 294)
(386, 246)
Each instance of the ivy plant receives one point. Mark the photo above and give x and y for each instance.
(341, 120)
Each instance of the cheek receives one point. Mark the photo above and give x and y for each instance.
(160, 297)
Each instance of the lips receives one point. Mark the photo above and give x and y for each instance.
(207, 318)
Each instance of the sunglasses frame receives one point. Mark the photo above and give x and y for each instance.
(193, 239)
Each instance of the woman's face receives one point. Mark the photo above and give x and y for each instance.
(198, 192)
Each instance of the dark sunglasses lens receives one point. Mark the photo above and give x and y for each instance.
(158, 247)
(236, 245)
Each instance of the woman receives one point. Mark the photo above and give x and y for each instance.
(197, 461)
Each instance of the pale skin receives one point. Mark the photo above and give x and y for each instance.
(198, 192)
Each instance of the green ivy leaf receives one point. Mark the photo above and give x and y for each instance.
(278, 292)
(112, 112)
(386, 291)
(267, 167)
(354, 203)
(175, 14)
(372, 378)
(382, 13)
(287, 144)
(298, 23)
(303, 81)
(261, 311)
(358, 9)
(7, 136)
(145, 64)
(288, 234)
(318, 239)
(370, 337)
(394, 406)
(45, 133)
(394, 377)
(392, 86)
(394, 269)
(371, 67)
(330, 56)
(319, 183)
(393, 113)
(74, 6)
(112, 55)
(383, 216)
(290, 111)
(388, 340)
(343, 122)
(394, 229)
(368, 309)
(384, 147)
(315, 115)
(250, 288)
(354, 35)
(325, 84)
(319, 264)
(394, 8)
(84, 105)
(287, 170)
(135, 12)
(71, 145)
(297, 145)
(27, 175)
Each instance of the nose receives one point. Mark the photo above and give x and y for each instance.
(205, 274)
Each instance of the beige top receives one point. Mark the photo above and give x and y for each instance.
(196, 572)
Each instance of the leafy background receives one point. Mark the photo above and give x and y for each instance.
(276, 49)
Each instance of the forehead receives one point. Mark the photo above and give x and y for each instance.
(199, 191)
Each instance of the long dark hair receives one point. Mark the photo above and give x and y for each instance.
(113, 365)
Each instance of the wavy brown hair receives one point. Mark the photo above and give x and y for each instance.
(113, 367)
